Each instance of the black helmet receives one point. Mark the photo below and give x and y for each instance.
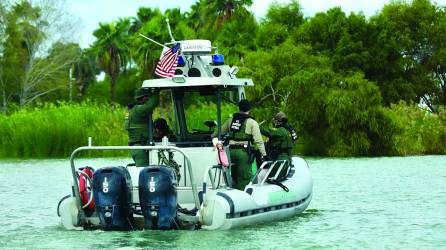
(244, 105)
(161, 124)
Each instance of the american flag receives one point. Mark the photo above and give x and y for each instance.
(168, 62)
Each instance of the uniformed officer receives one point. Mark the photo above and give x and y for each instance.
(242, 132)
(280, 138)
(137, 123)
(162, 129)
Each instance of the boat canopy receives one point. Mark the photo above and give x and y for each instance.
(203, 91)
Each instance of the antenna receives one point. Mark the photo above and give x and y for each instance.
(153, 41)
(170, 31)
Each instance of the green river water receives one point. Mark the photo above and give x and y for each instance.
(358, 203)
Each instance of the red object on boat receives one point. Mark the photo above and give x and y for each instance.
(84, 187)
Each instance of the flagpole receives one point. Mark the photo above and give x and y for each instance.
(153, 41)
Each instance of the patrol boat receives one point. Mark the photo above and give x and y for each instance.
(126, 197)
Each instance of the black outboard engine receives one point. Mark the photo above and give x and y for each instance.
(113, 198)
(158, 197)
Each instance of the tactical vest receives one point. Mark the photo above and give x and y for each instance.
(292, 131)
(137, 126)
(282, 144)
(238, 127)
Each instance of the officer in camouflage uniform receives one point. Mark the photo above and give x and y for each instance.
(137, 123)
(280, 138)
(242, 131)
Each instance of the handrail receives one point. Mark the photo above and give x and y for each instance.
(270, 169)
(208, 173)
(221, 172)
(280, 169)
(86, 148)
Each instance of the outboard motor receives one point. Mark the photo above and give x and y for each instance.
(158, 197)
(113, 198)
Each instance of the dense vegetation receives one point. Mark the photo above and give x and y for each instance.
(348, 83)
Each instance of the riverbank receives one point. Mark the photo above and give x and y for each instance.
(55, 130)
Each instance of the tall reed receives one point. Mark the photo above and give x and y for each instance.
(55, 130)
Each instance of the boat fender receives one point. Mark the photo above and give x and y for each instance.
(85, 188)
(278, 183)
(222, 158)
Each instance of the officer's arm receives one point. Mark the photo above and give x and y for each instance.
(224, 128)
(269, 132)
(257, 136)
(150, 104)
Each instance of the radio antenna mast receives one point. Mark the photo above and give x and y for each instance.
(170, 31)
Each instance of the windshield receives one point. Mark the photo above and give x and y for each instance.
(188, 117)
(197, 114)
(201, 112)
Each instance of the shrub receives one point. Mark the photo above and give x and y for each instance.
(417, 130)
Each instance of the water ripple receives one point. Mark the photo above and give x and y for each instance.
(358, 203)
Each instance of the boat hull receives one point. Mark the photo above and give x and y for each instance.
(221, 208)
(258, 203)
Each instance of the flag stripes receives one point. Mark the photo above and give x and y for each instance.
(168, 62)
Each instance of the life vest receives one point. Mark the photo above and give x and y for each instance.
(84, 191)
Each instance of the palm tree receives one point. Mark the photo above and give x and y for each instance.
(112, 50)
(85, 71)
(195, 17)
(226, 8)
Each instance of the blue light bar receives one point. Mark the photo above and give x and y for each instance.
(218, 59)
(181, 62)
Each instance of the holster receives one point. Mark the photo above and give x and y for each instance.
(251, 153)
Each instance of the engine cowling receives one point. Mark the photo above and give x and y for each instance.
(158, 197)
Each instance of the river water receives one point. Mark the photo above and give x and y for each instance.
(358, 203)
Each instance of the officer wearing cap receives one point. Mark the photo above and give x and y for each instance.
(242, 131)
(137, 123)
(280, 138)
(162, 129)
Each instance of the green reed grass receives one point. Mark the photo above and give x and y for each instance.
(55, 130)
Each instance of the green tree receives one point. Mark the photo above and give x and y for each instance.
(85, 71)
(404, 56)
(280, 21)
(2, 42)
(355, 119)
(237, 37)
(226, 8)
(437, 64)
(275, 73)
(112, 49)
(31, 68)
(212, 15)
(195, 17)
